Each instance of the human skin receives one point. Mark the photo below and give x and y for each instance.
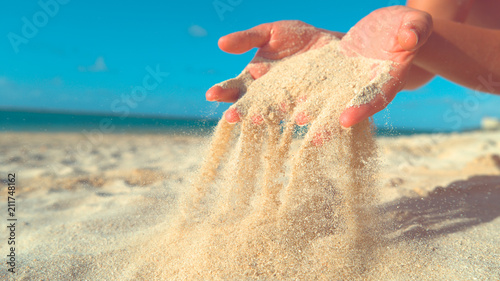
(483, 14)
(395, 33)
(463, 54)
(392, 33)
(452, 10)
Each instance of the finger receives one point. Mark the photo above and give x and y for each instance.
(217, 93)
(257, 68)
(232, 115)
(415, 29)
(230, 90)
(273, 110)
(306, 110)
(302, 118)
(257, 119)
(287, 104)
(355, 114)
(268, 115)
(379, 96)
(323, 132)
(243, 41)
(285, 107)
(320, 138)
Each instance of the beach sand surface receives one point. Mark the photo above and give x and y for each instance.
(85, 203)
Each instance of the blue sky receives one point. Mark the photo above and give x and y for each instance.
(90, 56)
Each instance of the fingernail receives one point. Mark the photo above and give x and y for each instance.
(232, 114)
(257, 119)
(302, 119)
(416, 35)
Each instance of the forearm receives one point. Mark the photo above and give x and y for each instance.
(464, 54)
(417, 78)
(453, 10)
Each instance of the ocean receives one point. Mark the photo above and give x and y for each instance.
(77, 122)
(18, 121)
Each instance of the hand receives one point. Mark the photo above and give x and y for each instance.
(275, 41)
(392, 33)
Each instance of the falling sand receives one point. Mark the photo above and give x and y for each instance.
(266, 206)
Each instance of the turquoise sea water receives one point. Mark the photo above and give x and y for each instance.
(71, 122)
(17, 121)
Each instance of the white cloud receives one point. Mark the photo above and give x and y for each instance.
(98, 66)
(197, 31)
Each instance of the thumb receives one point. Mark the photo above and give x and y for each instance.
(242, 41)
(415, 29)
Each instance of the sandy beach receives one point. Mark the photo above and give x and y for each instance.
(85, 204)
(238, 140)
